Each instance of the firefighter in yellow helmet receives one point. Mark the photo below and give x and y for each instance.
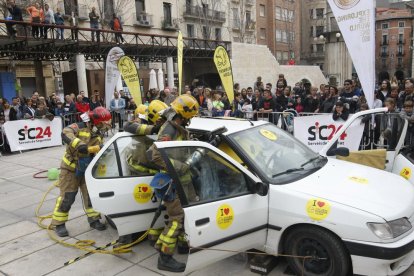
(83, 140)
(178, 116)
(141, 114)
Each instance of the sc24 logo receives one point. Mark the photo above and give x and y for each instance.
(34, 133)
(324, 132)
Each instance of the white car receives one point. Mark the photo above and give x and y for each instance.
(261, 188)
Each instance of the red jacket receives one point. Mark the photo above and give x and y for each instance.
(82, 107)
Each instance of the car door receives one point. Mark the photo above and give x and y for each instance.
(228, 213)
(117, 189)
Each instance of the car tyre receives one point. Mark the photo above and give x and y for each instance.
(313, 241)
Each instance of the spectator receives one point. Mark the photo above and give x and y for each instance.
(59, 109)
(199, 94)
(74, 23)
(247, 109)
(290, 98)
(69, 105)
(6, 111)
(16, 110)
(116, 26)
(236, 88)
(52, 103)
(387, 120)
(226, 101)
(36, 16)
(281, 78)
(340, 112)
(280, 99)
(16, 14)
(28, 110)
(186, 89)
(377, 102)
(207, 103)
(125, 97)
(348, 97)
(42, 112)
(237, 106)
(49, 19)
(249, 93)
(259, 85)
(1, 104)
(94, 24)
(60, 21)
(385, 90)
(117, 108)
(96, 101)
(298, 106)
(72, 95)
(244, 94)
(132, 104)
(269, 87)
(267, 105)
(407, 113)
(328, 104)
(35, 99)
(217, 105)
(355, 89)
(80, 105)
(84, 98)
(256, 101)
(407, 94)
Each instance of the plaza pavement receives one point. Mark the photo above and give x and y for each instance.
(26, 249)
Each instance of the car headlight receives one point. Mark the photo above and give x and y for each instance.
(390, 229)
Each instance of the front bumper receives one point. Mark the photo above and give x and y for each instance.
(370, 258)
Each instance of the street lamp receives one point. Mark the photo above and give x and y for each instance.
(338, 35)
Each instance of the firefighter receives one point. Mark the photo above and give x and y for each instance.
(141, 114)
(178, 116)
(83, 141)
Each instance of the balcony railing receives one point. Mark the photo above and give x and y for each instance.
(384, 54)
(200, 12)
(170, 24)
(401, 41)
(384, 42)
(143, 20)
(250, 2)
(400, 54)
(317, 54)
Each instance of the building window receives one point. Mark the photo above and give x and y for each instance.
(262, 33)
(278, 13)
(190, 30)
(311, 14)
(400, 38)
(384, 62)
(319, 48)
(167, 14)
(291, 36)
(400, 50)
(384, 51)
(400, 62)
(384, 39)
(285, 56)
(401, 24)
(312, 31)
(139, 7)
(262, 10)
(278, 35)
(384, 26)
(217, 34)
(279, 56)
(205, 32)
(319, 30)
(319, 13)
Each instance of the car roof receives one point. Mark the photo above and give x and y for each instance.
(232, 125)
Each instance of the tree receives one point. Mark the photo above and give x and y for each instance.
(240, 20)
(288, 16)
(209, 13)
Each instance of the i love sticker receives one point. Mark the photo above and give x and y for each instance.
(406, 173)
(142, 193)
(224, 216)
(318, 209)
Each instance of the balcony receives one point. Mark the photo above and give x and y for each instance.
(170, 25)
(401, 41)
(197, 12)
(143, 20)
(249, 2)
(384, 42)
(250, 26)
(236, 24)
(384, 54)
(317, 54)
(400, 54)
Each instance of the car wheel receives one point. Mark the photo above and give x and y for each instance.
(111, 222)
(313, 241)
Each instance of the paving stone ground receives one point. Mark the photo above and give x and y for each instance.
(26, 249)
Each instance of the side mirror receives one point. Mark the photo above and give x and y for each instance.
(261, 188)
(342, 151)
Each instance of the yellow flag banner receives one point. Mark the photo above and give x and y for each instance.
(129, 73)
(223, 65)
(180, 46)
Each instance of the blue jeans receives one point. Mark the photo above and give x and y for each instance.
(59, 33)
(95, 33)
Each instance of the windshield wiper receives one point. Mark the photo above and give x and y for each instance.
(288, 171)
(310, 160)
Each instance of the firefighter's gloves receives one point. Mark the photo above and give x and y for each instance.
(195, 158)
(155, 129)
(94, 149)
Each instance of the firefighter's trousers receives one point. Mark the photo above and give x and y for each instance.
(173, 231)
(69, 185)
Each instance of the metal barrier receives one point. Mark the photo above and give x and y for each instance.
(70, 118)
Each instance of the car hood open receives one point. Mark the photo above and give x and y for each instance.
(375, 191)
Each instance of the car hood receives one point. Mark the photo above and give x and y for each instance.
(375, 191)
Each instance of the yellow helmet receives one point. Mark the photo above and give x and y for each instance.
(141, 109)
(154, 108)
(185, 105)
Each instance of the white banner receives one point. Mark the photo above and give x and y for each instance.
(356, 20)
(33, 134)
(316, 131)
(112, 73)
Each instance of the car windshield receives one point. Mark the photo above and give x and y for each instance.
(279, 156)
